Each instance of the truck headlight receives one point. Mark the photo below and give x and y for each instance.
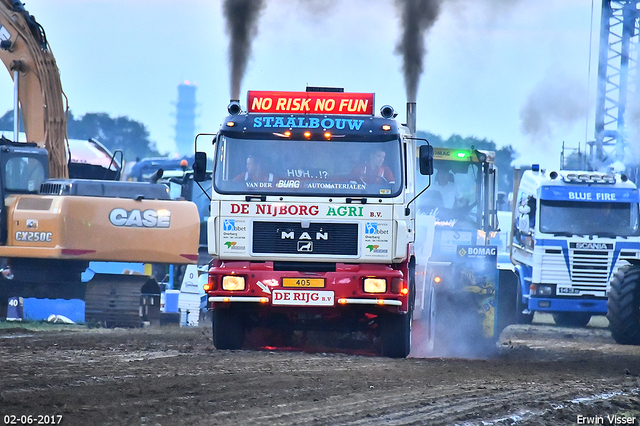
(542, 290)
(233, 283)
(545, 290)
(375, 285)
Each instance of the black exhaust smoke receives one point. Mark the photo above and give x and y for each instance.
(242, 26)
(416, 17)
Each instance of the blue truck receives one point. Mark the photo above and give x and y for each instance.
(571, 231)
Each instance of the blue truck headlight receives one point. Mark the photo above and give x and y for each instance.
(542, 290)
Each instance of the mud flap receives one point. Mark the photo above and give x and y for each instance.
(121, 300)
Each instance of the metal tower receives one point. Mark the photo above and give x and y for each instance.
(186, 118)
(617, 79)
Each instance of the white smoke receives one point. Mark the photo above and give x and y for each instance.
(556, 105)
(632, 151)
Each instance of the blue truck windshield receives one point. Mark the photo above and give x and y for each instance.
(607, 219)
(310, 168)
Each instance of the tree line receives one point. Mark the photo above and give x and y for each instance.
(120, 133)
(132, 138)
(504, 155)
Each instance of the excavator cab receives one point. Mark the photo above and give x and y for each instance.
(23, 167)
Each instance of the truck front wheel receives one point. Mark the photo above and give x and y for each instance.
(228, 329)
(571, 319)
(623, 306)
(395, 334)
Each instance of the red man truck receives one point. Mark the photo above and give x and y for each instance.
(312, 221)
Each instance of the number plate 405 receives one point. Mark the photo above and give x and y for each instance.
(303, 282)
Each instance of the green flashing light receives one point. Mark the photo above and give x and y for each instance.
(461, 154)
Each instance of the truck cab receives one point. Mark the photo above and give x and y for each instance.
(23, 167)
(458, 296)
(571, 230)
(309, 225)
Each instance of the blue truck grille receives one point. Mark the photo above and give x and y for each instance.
(318, 238)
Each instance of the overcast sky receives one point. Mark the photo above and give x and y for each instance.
(514, 72)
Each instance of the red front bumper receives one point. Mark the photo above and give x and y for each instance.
(334, 289)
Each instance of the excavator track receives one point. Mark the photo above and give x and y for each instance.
(121, 300)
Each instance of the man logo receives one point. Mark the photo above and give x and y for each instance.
(306, 246)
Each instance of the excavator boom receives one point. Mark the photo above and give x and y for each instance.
(25, 52)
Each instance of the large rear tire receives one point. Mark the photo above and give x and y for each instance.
(571, 319)
(455, 325)
(506, 299)
(395, 335)
(435, 323)
(228, 329)
(623, 306)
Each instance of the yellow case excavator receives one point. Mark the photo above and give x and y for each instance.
(51, 226)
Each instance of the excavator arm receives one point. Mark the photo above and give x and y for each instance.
(26, 54)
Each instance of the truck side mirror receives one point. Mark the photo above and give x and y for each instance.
(200, 167)
(425, 159)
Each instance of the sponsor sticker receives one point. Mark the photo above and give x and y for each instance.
(302, 298)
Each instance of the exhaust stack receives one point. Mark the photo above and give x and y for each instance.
(411, 117)
(234, 107)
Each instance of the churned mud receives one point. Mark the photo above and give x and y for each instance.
(538, 375)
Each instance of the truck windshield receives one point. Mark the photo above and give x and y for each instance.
(589, 218)
(311, 168)
(455, 191)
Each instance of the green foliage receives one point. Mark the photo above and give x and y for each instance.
(504, 155)
(6, 122)
(121, 133)
(575, 161)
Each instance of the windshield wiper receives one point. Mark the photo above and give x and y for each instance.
(609, 235)
(564, 234)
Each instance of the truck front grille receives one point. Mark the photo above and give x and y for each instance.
(590, 267)
(589, 270)
(318, 238)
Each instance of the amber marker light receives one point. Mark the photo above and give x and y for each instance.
(380, 301)
(211, 284)
(386, 127)
(342, 301)
(437, 280)
(397, 285)
(307, 135)
(287, 134)
(225, 299)
(404, 291)
(230, 124)
(264, 300)
(327, 135)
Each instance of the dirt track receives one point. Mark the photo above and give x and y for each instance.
(540, 375)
